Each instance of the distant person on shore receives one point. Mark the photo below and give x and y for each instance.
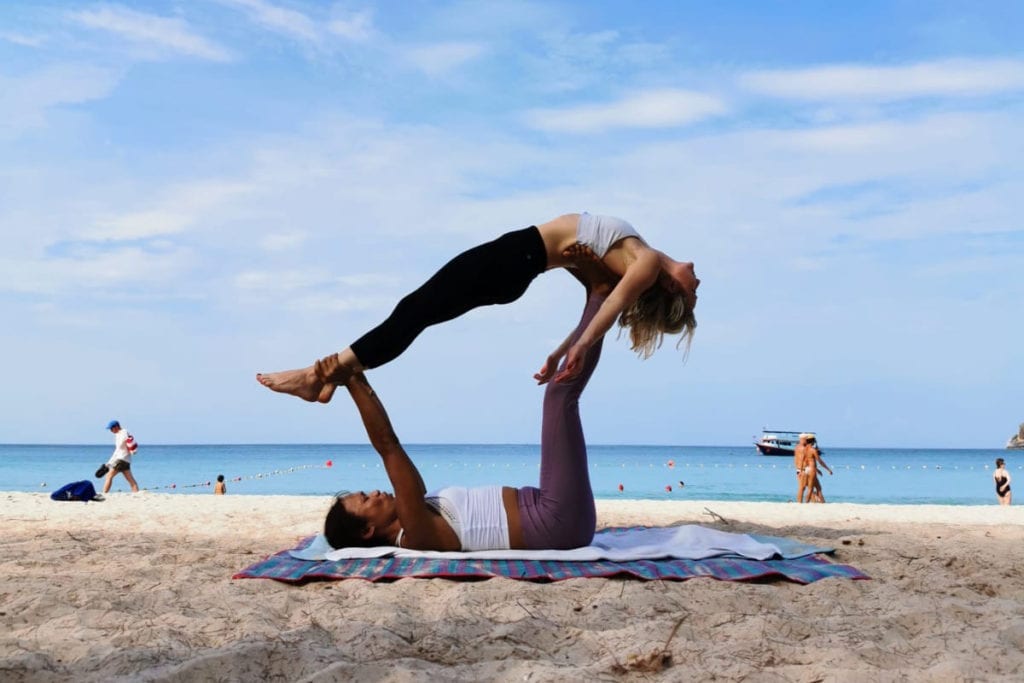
(653, 295)
(220, 488)
(559, 514)
(812, 458)
(121, 460)
(801, 469)
(1002, 479)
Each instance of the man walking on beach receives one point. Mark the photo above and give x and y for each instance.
(121, 460)
(801, 467)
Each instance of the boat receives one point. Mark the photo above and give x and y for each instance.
(778, 441)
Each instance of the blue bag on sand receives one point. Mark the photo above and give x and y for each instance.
(76, 490)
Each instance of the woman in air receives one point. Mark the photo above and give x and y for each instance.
(654, 295)
(559, 514)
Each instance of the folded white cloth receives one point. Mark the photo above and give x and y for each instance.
(688, 542)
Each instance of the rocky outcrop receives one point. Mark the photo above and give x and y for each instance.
(1017, 441)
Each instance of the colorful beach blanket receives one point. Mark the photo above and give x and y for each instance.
(793, 561)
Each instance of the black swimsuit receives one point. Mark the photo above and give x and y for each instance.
(1002, 487)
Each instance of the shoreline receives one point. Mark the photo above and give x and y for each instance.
(139, 586)
(635, 510)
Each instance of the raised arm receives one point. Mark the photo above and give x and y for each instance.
(424, 529)
(640, 275)
(596, 278)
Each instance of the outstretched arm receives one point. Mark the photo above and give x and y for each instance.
(640, 275)
(423, 529)
(596, 278)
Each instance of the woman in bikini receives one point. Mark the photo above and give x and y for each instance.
(812, 457)
(654, 295)
(1002, 479)
(558, 514)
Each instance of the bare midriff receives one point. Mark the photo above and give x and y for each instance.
(515, 528)
(561, 233)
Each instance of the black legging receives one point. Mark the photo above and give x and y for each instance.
(497, 272)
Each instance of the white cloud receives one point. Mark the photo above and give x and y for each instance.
(665, 108)
(281, 20)
(25, 99)
(357, 27)
(287, 281)
(281, 281)
(942, 78)
(441, 58)
(164, 33)
(282, 241)
(315, 289)
(93, 269)
(21, 39)
(180, 210)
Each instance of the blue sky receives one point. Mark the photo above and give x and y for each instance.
(191, 192)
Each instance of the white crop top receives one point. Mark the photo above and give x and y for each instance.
(477, 515)
(600, 233)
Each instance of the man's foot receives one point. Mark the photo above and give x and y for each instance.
(302, 383)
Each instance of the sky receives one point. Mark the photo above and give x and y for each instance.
(193, 192)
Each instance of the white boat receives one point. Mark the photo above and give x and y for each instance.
(778, 441)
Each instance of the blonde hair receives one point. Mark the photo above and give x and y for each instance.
(654, 314)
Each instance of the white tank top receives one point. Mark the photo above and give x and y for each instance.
(600, 233)
(477, 515)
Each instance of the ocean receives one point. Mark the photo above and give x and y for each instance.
(862, 475)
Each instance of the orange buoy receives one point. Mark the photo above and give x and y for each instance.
(330, 463)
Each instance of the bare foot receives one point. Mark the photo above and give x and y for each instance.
(580, 252)
(302, 383)
(591, 269)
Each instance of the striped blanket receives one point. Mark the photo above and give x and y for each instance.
(798, 562)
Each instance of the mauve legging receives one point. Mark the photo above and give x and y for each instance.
(561, 513)
(497, 272)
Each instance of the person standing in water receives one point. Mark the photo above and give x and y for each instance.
(1002, 479)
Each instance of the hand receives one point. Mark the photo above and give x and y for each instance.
(573, 363)
(547, 370)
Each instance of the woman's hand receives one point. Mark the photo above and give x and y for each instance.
(573, 362)
(547, 371)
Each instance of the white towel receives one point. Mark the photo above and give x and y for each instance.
(688, 542)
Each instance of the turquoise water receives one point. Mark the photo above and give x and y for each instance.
(862, 475)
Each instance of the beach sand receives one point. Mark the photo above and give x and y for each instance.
(139, 588)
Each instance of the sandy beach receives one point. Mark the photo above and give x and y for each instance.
(139, 588)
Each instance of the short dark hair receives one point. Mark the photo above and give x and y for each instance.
(220, 477)
(345, 530)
